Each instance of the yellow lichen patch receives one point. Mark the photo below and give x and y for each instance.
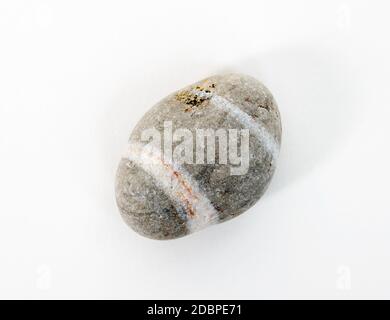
(195, 96)
(190, 98)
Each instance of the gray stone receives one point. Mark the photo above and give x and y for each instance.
(164, 190)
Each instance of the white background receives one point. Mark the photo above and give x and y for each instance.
(75, 78)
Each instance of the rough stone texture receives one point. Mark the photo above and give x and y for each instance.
(147, 207)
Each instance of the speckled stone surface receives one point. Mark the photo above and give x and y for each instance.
(162, 199)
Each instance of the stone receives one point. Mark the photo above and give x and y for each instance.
(201, 156)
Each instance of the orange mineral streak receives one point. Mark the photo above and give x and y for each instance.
(189, 196)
